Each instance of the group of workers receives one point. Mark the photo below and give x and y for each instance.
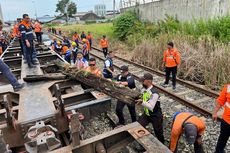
(182, 122)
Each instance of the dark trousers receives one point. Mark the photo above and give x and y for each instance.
(29, 53)
(23, 47)
(39, 37)
(105, 51)
(74, 56)
(86, 56)
(223, 138)
(90, 43)
(157, 122)
(119, 112)
(168, 71)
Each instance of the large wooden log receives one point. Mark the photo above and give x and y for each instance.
(53, 76)
(101, 84)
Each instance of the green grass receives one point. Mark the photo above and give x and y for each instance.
(97, 29)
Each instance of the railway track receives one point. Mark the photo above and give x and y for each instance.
(203, 101)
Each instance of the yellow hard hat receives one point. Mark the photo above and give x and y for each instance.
(74, 43)
(58, 42)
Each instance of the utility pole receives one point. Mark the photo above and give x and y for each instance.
(66, 11)
(114, 3)
(35, 9)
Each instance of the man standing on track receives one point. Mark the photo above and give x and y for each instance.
(104, 45)
(223, 101)
(171, 62)
(38, 31)
(27, 38)
(89, 37)
(108, 67)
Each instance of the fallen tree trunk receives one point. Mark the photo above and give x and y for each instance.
(101, 84)
(45, 77)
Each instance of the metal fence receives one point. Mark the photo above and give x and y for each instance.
(130, 3)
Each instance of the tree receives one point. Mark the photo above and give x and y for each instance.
(63, 4)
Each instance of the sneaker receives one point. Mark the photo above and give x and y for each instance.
(117, 125)
(32, 66)
(165, 85)
(174, 87)
(34, 63)
(18, 87)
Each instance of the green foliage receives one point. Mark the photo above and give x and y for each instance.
(125, 25)
(61, 7)
(128, 25)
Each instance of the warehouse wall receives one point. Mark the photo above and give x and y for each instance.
(184, 10)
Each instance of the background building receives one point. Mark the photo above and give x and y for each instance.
(100, 9)
(1, 15)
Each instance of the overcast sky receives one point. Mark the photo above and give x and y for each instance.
(15, 8)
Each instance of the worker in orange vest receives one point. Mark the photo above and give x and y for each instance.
(171, 61)
(104, 45)
(89, 37)
(223, 101)
(76, 38)
(38, 31)
(92, 68)
(193, 128)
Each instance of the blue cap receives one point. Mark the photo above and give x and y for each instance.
(175, 115)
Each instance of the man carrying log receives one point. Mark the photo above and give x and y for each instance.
(152, 109)
(125, 79)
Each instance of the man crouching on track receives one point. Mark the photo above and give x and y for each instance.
(152, 110)
(193, 128)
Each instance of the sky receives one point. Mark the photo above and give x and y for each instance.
(13, 9)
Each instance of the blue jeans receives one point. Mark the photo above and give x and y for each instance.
(8, 74)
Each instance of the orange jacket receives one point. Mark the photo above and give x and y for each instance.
(75, 37)
(0, 50)
(64, 49)
(88, 45)
(104, 43)
(171, 58)
(177, 129)
(15, 30)
(89, 37)
(97, 72)
(224, 100)
(37, 27)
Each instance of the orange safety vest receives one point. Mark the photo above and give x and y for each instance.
(224, 100)
(88, 45)
(16, 31)
(89, 37)
(104, 43)
(171, 58)
(64, 49)
(0, 50)
(75, 37)
(37, 27)
(177, 128)
(97, 72)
